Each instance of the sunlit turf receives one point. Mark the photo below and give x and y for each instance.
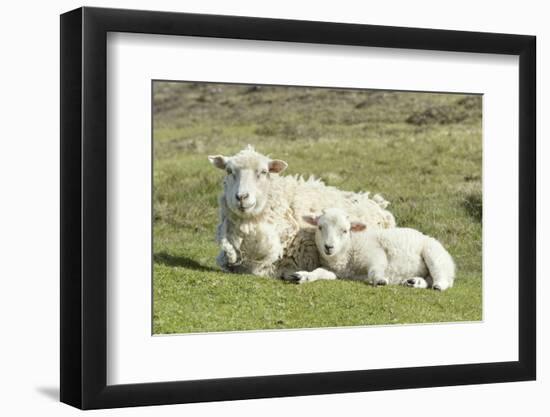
(421, 151)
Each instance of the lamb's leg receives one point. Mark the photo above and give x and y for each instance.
(301, 277)
(440, 264)
(377, 278)
(377, 268)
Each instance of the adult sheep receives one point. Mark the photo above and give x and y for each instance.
(261, 229)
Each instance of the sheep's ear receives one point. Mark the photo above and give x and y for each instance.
(276, 165)
(219, 161)
(357, 227)
(313, 220)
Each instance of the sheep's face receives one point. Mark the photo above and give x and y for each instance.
(333, 234)
(247, 181)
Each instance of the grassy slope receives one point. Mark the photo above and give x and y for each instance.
(421, 151)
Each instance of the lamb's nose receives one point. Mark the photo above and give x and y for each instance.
(241, 197)
(329, 247)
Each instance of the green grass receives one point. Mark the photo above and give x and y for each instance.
(421, 151)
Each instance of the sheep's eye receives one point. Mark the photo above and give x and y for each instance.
(344, 231)
(320, 227)
(264, 172)
(229, 172)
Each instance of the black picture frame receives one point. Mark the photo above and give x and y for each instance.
(84, 207)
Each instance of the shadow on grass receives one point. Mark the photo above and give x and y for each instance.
(181, 261)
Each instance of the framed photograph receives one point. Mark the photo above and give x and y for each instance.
(257, 208)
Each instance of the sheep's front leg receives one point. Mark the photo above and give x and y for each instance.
(301, 277)
(268, 245)
(229, 255)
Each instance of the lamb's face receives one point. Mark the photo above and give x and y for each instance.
(333, 234)
(247, 181)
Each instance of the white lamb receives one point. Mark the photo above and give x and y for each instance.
(380, 257)
(261, 229)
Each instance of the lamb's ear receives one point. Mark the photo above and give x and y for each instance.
(276, 165)
(219, 161)
(358, 227)
(313, 220)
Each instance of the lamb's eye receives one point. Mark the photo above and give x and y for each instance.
(229, 171)
(320, 227)
(264, 172)
(345, 231)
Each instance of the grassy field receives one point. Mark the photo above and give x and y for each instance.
(423, 152)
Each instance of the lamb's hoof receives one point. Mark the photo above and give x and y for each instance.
(292, 278)
(437, 287)
(296, 278)
(416, 283)
(381, 282)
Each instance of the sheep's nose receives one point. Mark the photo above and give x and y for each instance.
(241, 197)
(329, 247)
